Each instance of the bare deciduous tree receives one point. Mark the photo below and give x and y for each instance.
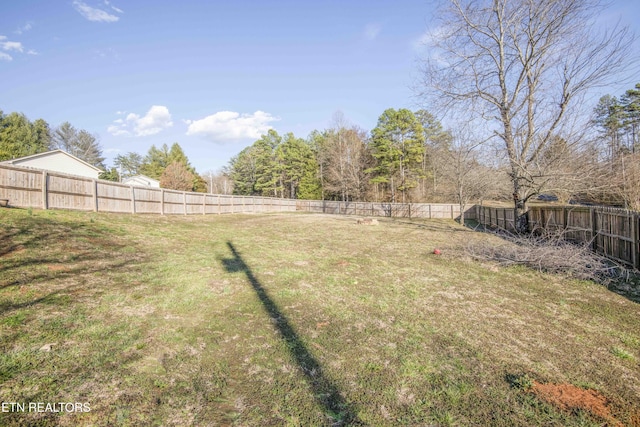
(347, 159)
(522, 66)
(466, 177)
(218, 182)
(177, 177)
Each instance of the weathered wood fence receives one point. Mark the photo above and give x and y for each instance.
(614, 233)
(25, 187)
(611, 232)
(495, 217)
(403, 210)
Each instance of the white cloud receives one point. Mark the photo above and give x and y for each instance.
(8, 45)
(372, 30)
(24, 28)
(94, 14)
(231, 126)
(108, 3)
(32, 52)
(429, 38)
(155, 121)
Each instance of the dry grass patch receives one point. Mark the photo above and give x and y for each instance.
(294, 319)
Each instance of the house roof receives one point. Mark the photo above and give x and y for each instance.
(140, 177)
(49, 153)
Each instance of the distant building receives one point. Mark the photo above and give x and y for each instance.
(57, 161)
(141, 180)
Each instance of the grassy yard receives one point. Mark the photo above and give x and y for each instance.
(297, 319)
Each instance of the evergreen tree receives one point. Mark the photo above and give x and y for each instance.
(158, 159)
(155, 162)
(110, 175)
(19, 137)
(79, 143)
(269, 178)
(398, 145)
(243, 172)
(317, 141)
(43, 133)
(298, 163)
(631, 116)
(128, 164)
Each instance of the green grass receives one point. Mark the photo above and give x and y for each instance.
(292, 319)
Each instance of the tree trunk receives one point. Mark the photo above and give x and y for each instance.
(521, 223)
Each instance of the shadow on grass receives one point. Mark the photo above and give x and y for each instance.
(325, 392)
(49, 260)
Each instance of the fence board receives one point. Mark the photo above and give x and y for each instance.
(27, 187)
(611, 232)
(23, 187)
(401, 210)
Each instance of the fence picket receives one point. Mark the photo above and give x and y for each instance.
(28, 187)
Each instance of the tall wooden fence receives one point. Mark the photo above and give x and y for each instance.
(495, 217)
(403, 210)
(25, 187)
(611, 232)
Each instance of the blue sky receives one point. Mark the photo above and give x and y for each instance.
(213, 75)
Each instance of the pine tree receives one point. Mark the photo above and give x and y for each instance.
(79, 143)
(243, 170)
(19, 137)
(398, 145)
(269, 179)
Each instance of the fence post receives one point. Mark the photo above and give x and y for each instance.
(95, 195)
(45, 190)
(594, 229)
(634, 240)
(184, 202)
(133, 200)
(204, 203)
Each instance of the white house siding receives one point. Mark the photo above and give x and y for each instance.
(142, 181)
(58, 161)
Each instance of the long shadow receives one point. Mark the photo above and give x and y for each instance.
(325, 392)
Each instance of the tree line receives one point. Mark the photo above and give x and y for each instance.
(405, 158)
(511, 79)
(20, 137)
(169, 165)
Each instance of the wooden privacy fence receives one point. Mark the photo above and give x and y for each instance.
(611, 232)
(25, 187)
(495, 217)
(404, 210)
